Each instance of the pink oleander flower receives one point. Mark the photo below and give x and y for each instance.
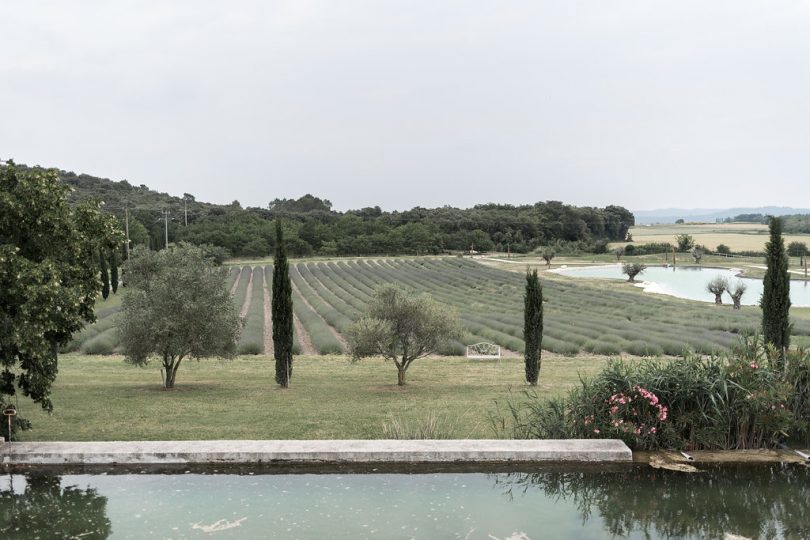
(754, 365)
(596, 431)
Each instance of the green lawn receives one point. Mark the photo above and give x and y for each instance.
(102, 398)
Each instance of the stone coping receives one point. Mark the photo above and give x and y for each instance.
(314, 451)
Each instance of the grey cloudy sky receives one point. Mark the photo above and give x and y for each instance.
(643, 103)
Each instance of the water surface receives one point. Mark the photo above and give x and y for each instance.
(690, 282)
(624, 502)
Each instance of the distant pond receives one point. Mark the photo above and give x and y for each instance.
(689, 282)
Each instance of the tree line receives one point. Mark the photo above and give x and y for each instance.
(792, 224)
(313, 227)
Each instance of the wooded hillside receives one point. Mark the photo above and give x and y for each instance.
(314, 228)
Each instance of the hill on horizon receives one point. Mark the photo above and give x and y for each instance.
(671, 215)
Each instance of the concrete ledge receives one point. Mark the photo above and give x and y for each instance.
(314, 451)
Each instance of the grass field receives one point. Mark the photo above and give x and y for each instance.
(102, 398)
(737, 236)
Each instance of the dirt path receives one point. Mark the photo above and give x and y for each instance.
(762, 267)
(248, 293)
(236, 282)
(332, 329)
(307, 348)
(268, 317)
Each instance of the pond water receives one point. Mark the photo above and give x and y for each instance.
(632, 501)
(690, 282)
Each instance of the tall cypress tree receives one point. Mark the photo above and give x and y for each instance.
(114, 270)
(533, 326)
(282, 311)
(105, 275)
(775, 301)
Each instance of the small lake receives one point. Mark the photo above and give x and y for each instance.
(629, 501)
(689, 282)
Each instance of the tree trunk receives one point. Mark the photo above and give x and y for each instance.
(170, 372)
(401, 375)
(718, 298)
(736, 303)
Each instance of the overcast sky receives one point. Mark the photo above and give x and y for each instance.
(646, 104)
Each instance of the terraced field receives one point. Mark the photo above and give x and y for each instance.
(580, 316)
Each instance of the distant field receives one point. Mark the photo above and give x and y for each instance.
(737, 236)
(582, 316)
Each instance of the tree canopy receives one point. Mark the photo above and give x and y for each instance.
(312, 226)
(176, 307)
(402, 327)
(49, 276)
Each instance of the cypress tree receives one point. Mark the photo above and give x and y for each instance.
(114, 270)
(282, 311)
(533, 326)
(775, 301)
(105, 276)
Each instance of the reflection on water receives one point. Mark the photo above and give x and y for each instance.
(763, 501)
(616, 502)
(38, 506)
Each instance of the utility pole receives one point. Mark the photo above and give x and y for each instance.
(126, 228)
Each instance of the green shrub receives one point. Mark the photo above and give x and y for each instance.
(560, 347)
(104, 343)
(609, 338)
(732, 402)
(602, 347)
(251, 347)
(642, 348)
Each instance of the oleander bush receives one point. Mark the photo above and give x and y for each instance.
(733, 401)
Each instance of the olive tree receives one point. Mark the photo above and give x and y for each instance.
(49, 278)
(697, 254)
(717, 287)
(177, 306)
(619, 252)
(402, 327)
(632, 270)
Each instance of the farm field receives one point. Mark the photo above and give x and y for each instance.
(737, 236)
(581, 316)
(330, 398)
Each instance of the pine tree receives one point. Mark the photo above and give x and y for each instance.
(533, 326)
(105, 275)
(114, 270)
(775, 301)
(282, 312)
